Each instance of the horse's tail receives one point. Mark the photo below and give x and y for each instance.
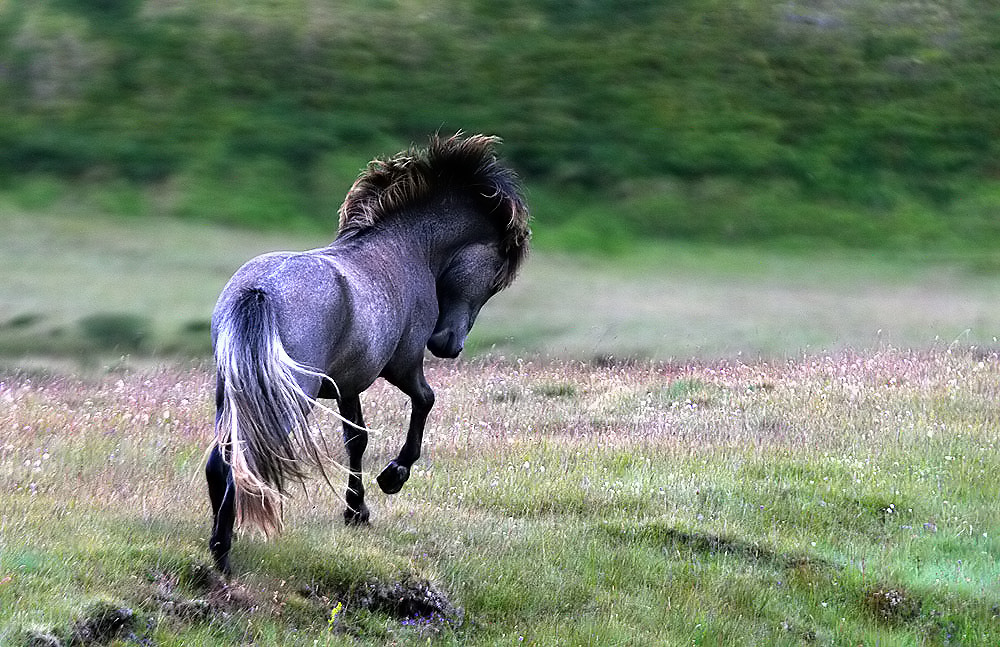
(261, 422)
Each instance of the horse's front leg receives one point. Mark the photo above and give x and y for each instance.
(355, 441)
(422, 399)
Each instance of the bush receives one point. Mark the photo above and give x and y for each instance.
(117, 331)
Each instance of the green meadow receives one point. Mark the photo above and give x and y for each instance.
(682, 444)
(867, 124)
(744, 392)
(835, 499)
(84, 285)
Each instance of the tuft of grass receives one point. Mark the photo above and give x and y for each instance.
(555, 389)
(891, 605)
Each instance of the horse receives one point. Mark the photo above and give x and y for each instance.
(425, 238)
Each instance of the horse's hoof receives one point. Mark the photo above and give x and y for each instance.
(356, 517)
(222, 565)
(392, 477)
(220, 557)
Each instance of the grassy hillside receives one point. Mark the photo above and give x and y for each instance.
(838, 500)
(866, 124)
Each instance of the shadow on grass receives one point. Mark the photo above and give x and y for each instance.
(659, 534)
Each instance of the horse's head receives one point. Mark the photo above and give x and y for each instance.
(464, 199)
(466, 284)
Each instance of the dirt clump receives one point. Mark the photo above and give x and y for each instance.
(194, 610)
(201, 577)
(411, 601)
(101, 623)
(215, 595)
(39, 639)
(891, 605)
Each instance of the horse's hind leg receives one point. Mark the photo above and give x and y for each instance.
(355, 441)
(223, 496)
(422, 399)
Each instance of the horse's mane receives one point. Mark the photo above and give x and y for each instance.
(463, 165)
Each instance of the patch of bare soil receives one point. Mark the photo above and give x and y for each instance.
(411, 599)
(215, 597)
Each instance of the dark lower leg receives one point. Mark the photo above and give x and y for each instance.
(396, 473)
(222, 494)
(355, 441)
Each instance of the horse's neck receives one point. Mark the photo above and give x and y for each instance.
(429, 236)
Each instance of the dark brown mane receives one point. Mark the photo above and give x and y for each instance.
(466, 165)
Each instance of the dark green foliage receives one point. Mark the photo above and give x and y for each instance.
(25, 320)
(555, 389)
(197, 327)
(114, 331)
(869, 124)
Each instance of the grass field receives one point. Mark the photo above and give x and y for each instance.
(79, 283)
(837, 499)
(678, 445)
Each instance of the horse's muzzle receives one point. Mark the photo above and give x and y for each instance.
(446, 344)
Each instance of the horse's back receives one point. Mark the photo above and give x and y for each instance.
(331, 314)
(261, 273)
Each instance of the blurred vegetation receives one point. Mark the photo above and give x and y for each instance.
(862, 124)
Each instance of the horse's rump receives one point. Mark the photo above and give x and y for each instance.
(261, 425)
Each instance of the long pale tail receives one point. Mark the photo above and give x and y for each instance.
(261, 426)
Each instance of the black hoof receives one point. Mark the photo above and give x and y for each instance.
(221, 560)
(392, 477)
(356, 517)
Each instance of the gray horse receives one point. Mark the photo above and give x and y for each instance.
(426, 238)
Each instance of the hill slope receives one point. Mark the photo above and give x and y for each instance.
(863, 123)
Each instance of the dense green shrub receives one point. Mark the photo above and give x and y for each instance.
(117, 331)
